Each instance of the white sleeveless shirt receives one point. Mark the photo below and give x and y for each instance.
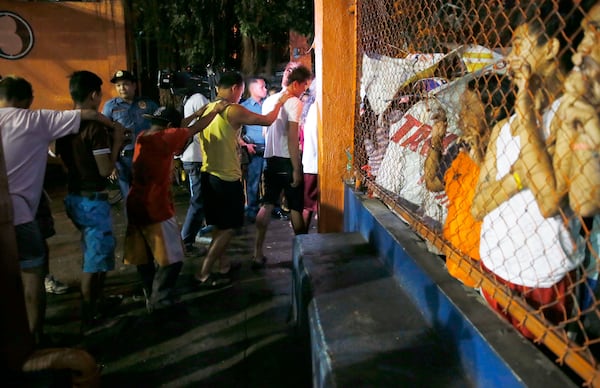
(517, 242)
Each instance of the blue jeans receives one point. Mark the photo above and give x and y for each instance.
(124, 166)
(194, 219)
(255, 170)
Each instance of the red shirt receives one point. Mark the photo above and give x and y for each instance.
(149, 200)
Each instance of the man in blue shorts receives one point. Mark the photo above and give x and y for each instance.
(25, 135)
(90, 157)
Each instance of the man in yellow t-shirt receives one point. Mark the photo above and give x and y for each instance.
(221, 174)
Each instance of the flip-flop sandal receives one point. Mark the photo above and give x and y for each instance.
(233, 267)
(259, 264)
(213, 282)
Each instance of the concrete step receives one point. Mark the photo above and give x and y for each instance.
(363, 327)
(373, 335)
(491, 353)
(316, 259)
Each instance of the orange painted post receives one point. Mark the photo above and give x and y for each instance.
(335, 68)
(64, 37)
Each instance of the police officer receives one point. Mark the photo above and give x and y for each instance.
(128, 110)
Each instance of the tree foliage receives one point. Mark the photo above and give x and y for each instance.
(264, 26)
(261, 19)
(185, 32)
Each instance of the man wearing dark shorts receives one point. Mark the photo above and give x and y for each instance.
(221, 175)
(284, 168)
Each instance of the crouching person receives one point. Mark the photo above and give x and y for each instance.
(152, 240)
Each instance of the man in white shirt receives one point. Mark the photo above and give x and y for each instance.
(192, 162)
(310, 163)
(283, 170)
(26, 135)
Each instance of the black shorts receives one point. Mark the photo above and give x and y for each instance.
(223, 202)
(278, 178)
(44, 218)
(30, 245)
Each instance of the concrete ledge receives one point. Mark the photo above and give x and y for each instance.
(363, 328)
(371, 335)
(490, 351)
(316, 268)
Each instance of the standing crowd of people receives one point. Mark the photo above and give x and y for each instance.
(523, 180)
(134, 141)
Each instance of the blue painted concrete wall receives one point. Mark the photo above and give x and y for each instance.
(492, 353)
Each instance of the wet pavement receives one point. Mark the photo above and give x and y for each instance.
(238, 336)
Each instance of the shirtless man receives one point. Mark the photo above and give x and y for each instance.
(577, 125)
(516, 194)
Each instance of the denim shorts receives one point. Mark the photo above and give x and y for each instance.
(92, 218)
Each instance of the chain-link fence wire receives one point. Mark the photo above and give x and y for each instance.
(477, 129)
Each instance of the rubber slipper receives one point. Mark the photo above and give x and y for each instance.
(213, 282)
(259, 264)
(233, 267)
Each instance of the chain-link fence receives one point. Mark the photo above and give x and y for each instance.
(478, 130)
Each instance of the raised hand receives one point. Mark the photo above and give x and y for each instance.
(221, 105)
(286, 95)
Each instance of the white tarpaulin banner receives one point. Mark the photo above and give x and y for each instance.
(383, 76)
(402, 168)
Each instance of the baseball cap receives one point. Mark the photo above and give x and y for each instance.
(123, 74)
(165, 115)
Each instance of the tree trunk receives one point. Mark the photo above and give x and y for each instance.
(269, 61)
(248, 55)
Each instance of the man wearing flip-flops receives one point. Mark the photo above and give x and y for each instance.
(221, 174)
